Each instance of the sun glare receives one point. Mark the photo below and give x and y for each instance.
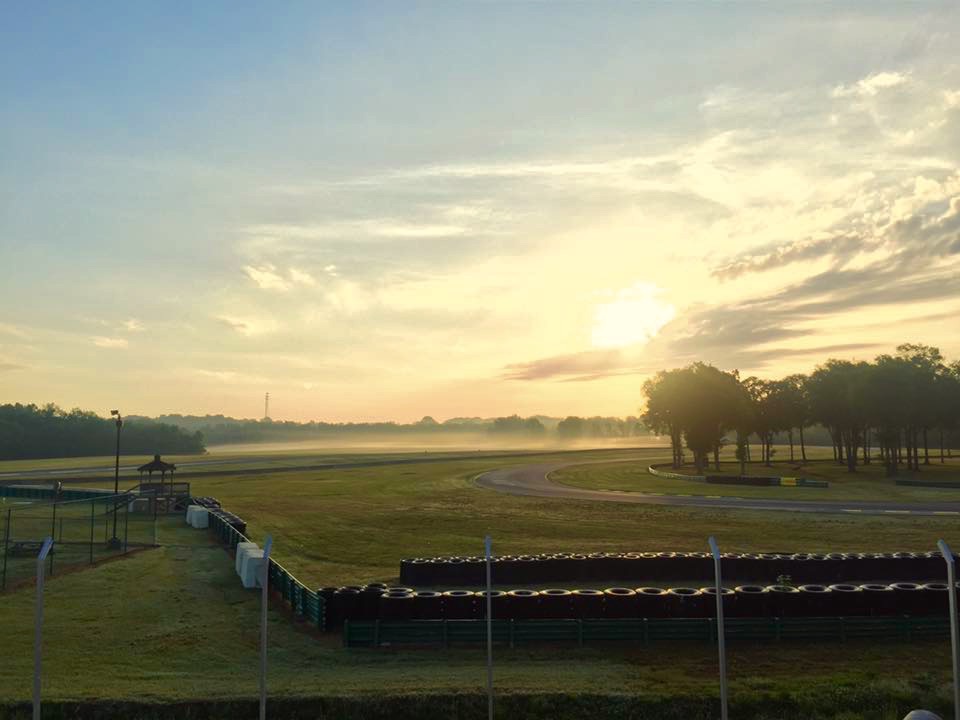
(633, 317)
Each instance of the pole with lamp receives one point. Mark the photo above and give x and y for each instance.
(115, 541)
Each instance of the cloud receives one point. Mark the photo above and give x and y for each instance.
(110, 342)
(267, 277)
(132, 325)
(247, 326)
(872, 85)
(769, 258)
(9, 366)
(14, 331)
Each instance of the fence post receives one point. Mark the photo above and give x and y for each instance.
(954, 636)
(38, 628)
(126, 524)
(487, 546)
(92, 523)
(264, 600)
(721, 645)
(53, 533)
(6, 543)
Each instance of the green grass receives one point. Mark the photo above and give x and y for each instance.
(868, 483)
(354, 525)
(173, 624)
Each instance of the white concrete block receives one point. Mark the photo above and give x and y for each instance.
(191, 509)
(200, 519)
(242, 549)
(250, 570)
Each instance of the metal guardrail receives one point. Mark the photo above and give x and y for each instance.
(644, 631)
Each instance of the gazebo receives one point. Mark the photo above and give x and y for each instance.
(157, 465)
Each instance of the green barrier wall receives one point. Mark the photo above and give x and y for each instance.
(642, 631)
(303, 602)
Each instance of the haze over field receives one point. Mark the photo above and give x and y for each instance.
(378, 211)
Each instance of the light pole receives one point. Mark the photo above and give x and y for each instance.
(115, 541)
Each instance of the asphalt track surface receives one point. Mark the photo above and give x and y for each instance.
(534, 481)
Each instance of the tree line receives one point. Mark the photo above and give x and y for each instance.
(887, 410)
(222, 430)
(30, 431)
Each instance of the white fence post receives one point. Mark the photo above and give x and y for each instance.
(487, 547)
(264, 601)
(38, 628)
(721, 633)
(954, 636)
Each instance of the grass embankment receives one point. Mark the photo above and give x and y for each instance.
(354, 525)
(173, 625)
(868, 483)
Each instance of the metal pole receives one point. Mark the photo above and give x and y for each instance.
(38, 628)
(126, 527)
(92, 523)
(6, 543)
(954, 634)
(116, 481)
(721, 645)
(53, 533)
(264, 600)
(487, 545)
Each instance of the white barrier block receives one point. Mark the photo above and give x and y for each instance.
(200, 518)
(191, 509)
(250, 570)
(242, 549)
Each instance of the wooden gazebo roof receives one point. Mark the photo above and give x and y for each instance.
(157, 465)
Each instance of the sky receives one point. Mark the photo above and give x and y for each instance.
(378, 211)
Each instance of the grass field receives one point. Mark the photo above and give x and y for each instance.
(868, 483)
(354, 525)
(173, 624)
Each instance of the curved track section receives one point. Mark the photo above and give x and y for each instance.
(534, 480)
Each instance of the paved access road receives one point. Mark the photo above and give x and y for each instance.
(534, 480)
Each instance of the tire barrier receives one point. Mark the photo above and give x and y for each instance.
(460, 605)
(619, 603)
(755, 480)
(556, 603)
(685, 603)
(357, 603)
(205, 501)
(665, 567)
(651, 602)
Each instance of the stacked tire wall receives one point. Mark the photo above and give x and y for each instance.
(665, 567)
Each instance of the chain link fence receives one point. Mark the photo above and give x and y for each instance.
(85, 531)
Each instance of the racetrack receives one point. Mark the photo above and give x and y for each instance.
(534, 480)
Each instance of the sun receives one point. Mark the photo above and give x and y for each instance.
(633, 317)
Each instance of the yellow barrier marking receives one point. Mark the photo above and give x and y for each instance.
(946, 512)
(846, 510)
(897, 512)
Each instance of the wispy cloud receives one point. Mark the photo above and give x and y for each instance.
(113, 343)
(872, 84)
(267, 277)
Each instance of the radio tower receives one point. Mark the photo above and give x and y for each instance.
(266, 406)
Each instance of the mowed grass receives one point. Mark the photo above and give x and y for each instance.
(355, 525)
(869, 483)
(174, 624)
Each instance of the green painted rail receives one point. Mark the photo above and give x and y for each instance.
(303, 602)
(642, 631)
